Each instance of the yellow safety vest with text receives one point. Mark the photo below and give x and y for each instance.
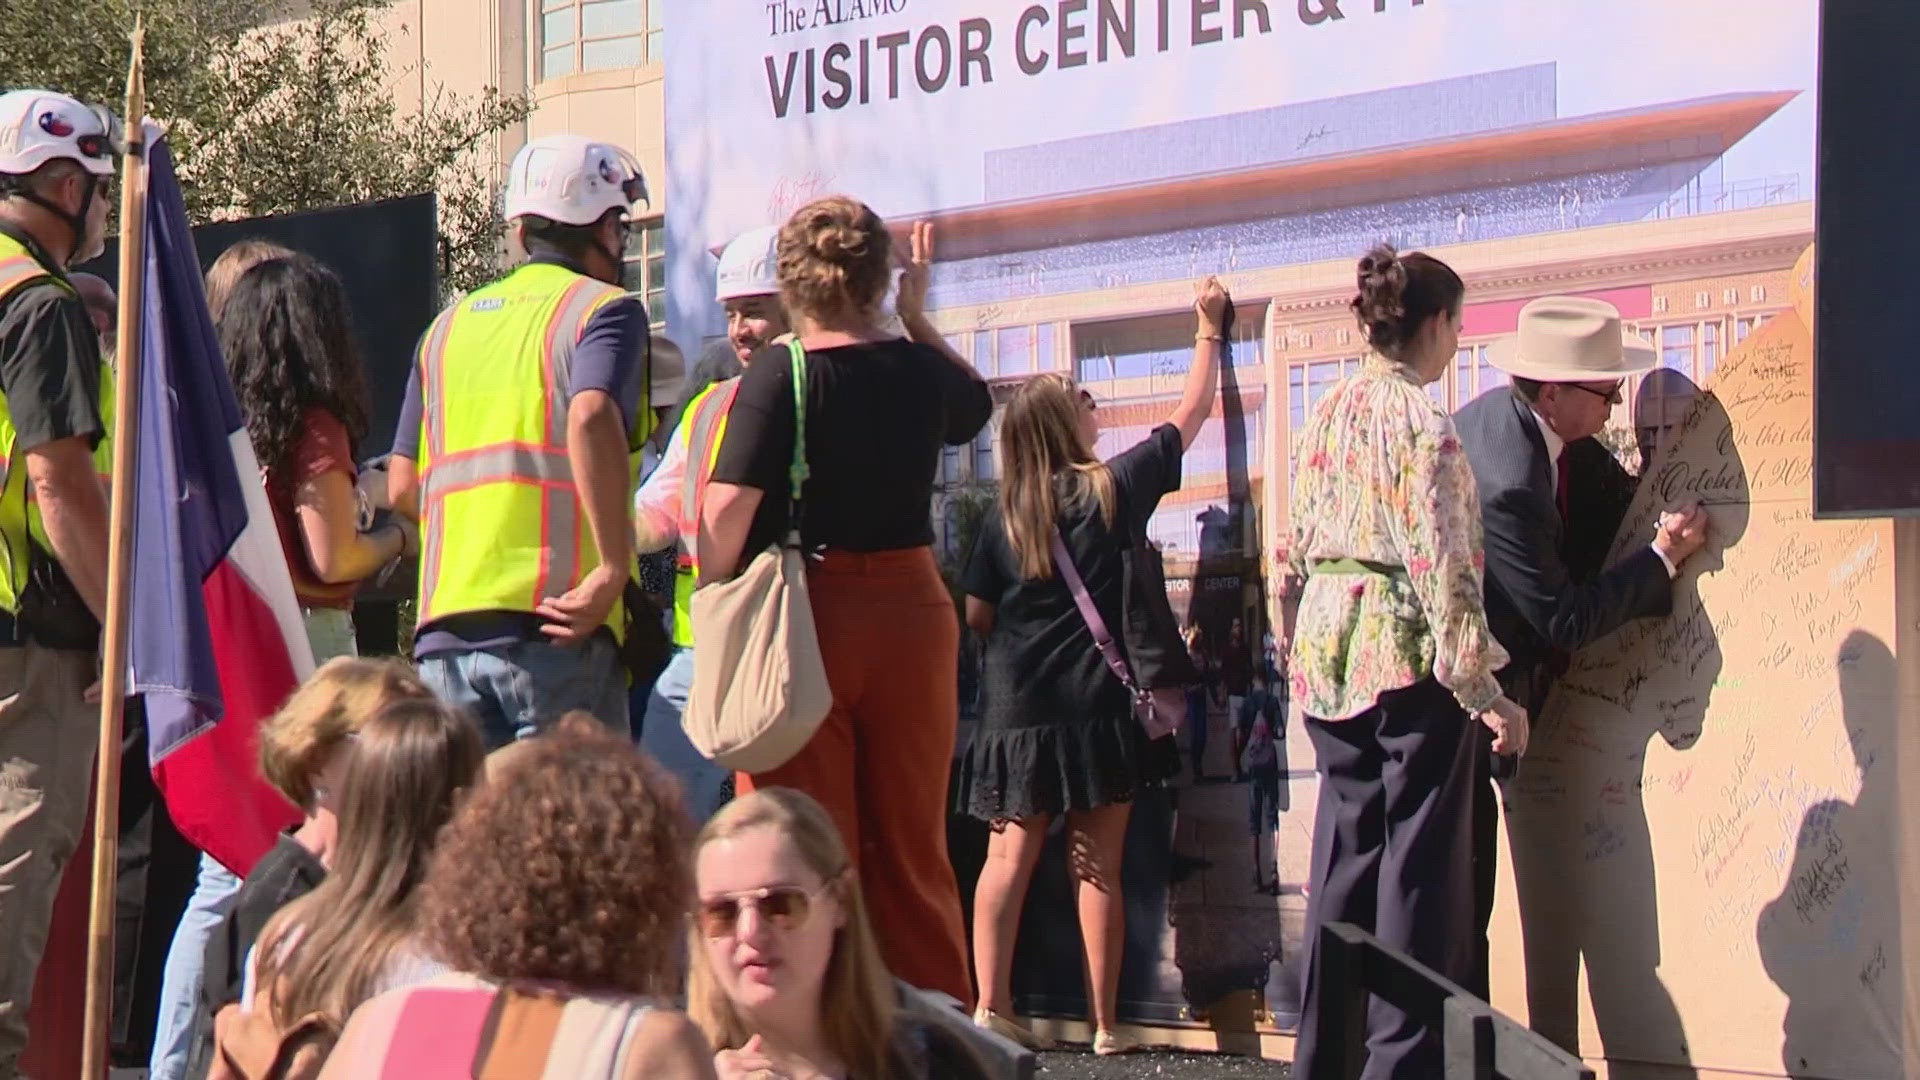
(19, 516)
(703, 426)
(502, 523)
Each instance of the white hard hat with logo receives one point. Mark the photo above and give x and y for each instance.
(39, 126)
(750, 265)
(572, 180)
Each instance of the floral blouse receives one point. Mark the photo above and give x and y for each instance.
(1386, 537)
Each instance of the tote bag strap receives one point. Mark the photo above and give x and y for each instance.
(1097, 625)
(798, 471)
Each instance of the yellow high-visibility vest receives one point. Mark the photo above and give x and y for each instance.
(703, 426)
(19, 516)
(502, 523)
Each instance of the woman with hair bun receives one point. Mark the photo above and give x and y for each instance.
(1392, 660)
(878, 411)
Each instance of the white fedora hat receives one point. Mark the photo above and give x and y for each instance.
(1571, 339)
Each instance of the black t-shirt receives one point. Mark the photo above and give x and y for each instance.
(1041, 663)
(287, 872)
(877, 416)
(50, 373)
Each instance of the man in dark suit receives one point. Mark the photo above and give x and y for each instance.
(1552, 498)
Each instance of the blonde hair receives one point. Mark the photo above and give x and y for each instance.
(330, 950)
(857, 999)
(239, 257)
(323, 713)
(835, 260)
(1042, 453)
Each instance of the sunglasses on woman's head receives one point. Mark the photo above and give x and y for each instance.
(785, 906)
(1086, 399)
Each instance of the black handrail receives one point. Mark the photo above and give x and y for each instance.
(1480, 1043)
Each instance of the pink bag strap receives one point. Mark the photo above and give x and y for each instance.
(1101, 638)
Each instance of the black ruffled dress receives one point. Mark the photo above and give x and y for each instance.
(1056, 733)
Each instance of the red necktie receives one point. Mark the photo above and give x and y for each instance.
(1562, 487)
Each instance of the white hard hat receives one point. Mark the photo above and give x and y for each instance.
(572, 180)
(750, 266)
(38, 126)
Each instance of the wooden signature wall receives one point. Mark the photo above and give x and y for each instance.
(1703, 868)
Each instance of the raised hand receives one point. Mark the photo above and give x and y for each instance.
(916, 273)
(1210, 303)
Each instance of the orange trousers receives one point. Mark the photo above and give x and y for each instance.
(880, 762)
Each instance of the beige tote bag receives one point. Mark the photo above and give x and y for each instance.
(759, 685)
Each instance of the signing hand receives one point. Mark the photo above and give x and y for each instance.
(572, 617)
(1682, 533)
(916, 273)
(750, 1062)
(1509, 725)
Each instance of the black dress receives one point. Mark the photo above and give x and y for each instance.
(1056, 731)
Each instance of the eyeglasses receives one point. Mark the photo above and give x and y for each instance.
(785, 906)
(1086, 399)
(1611, 395)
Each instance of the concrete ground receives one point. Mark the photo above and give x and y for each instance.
(1069, 1065)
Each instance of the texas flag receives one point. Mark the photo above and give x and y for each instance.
(216, 641)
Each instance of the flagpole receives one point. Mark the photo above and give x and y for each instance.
(113, 665)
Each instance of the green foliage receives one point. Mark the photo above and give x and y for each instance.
(295, 116)
(1624, 443)
(966, 507)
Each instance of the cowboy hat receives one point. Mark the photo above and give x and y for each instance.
(1565, 339)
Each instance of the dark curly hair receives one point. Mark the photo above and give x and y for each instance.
(571, 867)
(285, 330)
(1399, 293)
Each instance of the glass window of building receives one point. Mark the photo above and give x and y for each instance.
(645, 272)
(983, 454)
(983, 354)
(1014, 350)
(1043, 348)
(1676, 348)
(1709, 348)
(1158, 345)
(597, 35)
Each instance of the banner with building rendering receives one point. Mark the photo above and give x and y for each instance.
(1086, 160)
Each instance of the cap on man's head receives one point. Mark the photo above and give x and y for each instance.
(750, 265)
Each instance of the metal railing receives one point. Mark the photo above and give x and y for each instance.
(1480, 1044)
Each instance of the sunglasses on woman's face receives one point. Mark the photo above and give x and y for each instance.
(786, 907)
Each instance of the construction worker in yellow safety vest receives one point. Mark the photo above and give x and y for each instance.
(517, 451)
(57, 161)
(666, 509)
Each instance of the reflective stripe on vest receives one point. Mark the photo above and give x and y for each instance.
(19, 516)
(703, 427)
(504, 527)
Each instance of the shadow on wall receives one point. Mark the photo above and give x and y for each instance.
(1581, 845)
(1831, 940)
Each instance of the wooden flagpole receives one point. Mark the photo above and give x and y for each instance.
(113, 670)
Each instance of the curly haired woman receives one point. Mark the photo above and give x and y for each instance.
(558, 894)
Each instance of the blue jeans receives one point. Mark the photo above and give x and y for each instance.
(516, 690)
(186, 969)
(702, 782)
